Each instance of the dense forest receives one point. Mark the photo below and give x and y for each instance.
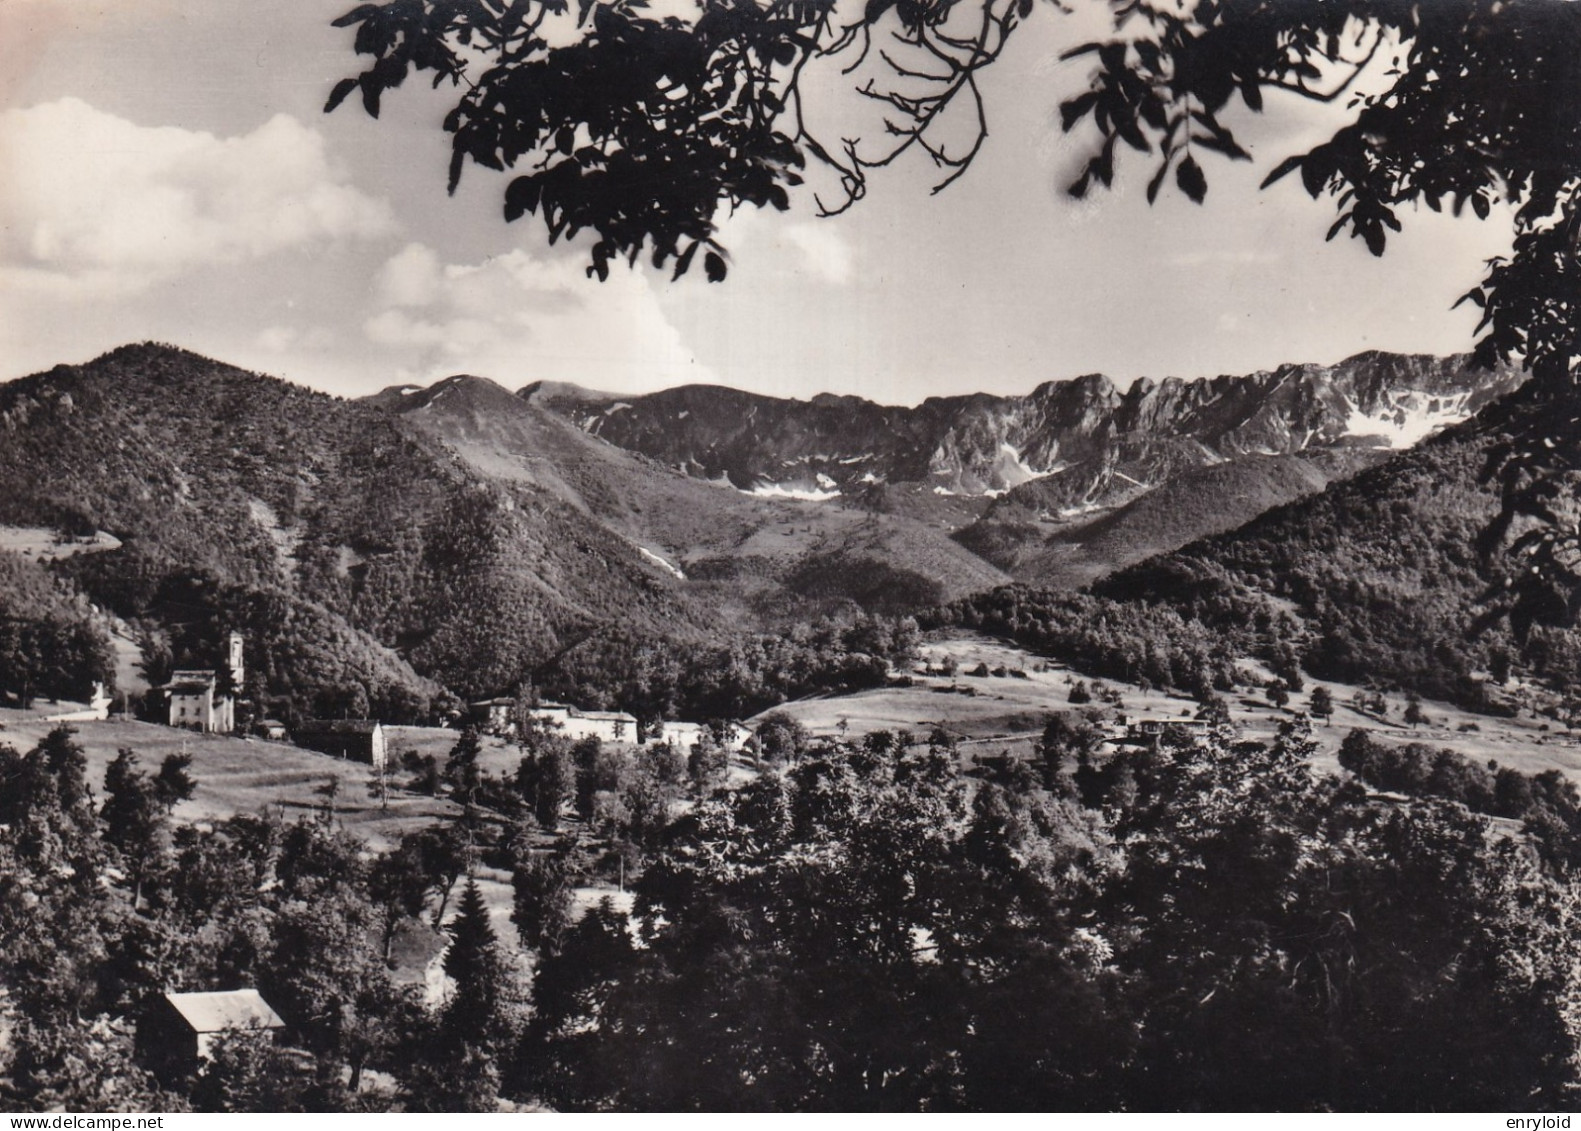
(867, 926)
(1387, 578)
(350, 550)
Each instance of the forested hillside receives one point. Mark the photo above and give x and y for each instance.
(354, 553)
(1378, 578)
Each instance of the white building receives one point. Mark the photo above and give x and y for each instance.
(606, 726)
(196, 701)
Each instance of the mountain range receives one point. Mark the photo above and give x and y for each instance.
(465, 536)
(1086, 441)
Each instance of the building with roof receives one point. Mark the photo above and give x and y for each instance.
(197, 699)
(178, 1031)
(607, 726)
(493, 715)
(357, 740)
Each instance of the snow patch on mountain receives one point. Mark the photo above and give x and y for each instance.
(1407, 418)
(781, 491)
(661, 562)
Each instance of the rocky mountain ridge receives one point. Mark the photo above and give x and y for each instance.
(1086, 441)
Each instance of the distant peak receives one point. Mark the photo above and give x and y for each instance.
(561, 391)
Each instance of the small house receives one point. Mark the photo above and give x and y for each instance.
(357, 740)
(272, 729)
(1148, 732)
(178, 1031)
(684, 737)
(607, 726)
(493, 715)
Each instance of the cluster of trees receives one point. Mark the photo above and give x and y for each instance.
(866, 927)
(746, 674)
(51, 646)
(1547, 802)
(871, 930)
(1134, 641)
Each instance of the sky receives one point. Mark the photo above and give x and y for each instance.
(167, 174)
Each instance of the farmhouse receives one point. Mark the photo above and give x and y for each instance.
(682, 736)
(608, 726)
(178, 1031)
(1148, 731)
(357, 740)
(734, 736)
(196, 700)
(492, 715)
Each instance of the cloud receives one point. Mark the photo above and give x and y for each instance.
(824, 251)
(518, 317)
(96, 204)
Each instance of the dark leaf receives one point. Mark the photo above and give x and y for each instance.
(371, 89)
(1188, 175)
(1073, 111)
(1283, 169)
(338, 95)
(522, 196)
(714, 267)
(356, 15)
(1157, 181)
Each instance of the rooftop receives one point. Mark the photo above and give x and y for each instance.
(225, 1009)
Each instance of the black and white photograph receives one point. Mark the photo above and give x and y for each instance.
(898, 556)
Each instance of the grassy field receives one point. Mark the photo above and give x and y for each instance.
(236, 775)
(994, 713)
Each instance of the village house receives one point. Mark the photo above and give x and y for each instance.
(684, 737)
(734, 737)
(493, 715)
(197, 702)
(606, 726)
(178, 1031)
(357, 740)
(1148, 732)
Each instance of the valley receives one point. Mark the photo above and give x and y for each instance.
(1022, 591)
(990, 713)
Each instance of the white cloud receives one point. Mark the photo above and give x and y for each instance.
(96, 204)
(517, 318)
(824, 251)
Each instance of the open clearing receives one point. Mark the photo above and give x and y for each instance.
(994, 713)
(241, 775)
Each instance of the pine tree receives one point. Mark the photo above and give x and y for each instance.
(478, 1012)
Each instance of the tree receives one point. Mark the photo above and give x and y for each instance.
(1414, 716)
(1321, 705)
(542, 887)
(781, 737)
(479, 1011)
(133, 816)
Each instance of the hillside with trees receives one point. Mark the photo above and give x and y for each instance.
(871, 926)
(1388, 577)
(361, 559)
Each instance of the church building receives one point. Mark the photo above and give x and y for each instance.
(198, 702)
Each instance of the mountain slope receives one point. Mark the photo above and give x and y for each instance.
(1382, 570)
(1020, 534)
(761, 558)
(245, 499)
